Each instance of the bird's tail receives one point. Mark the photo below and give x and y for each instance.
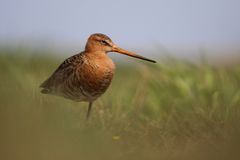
(44, 87)
(45, 91)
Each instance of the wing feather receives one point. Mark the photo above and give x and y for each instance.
(61, 74)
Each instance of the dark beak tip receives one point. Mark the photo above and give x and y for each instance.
(150, 60)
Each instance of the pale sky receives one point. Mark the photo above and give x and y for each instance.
(128, 22)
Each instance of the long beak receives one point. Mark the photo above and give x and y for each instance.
(122, 51)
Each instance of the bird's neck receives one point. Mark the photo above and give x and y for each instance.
(93, 48)
(96, 54)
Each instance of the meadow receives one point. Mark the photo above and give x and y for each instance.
(171, 110)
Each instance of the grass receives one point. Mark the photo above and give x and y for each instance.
(171, 110)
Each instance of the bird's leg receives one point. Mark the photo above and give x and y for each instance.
(89, 109)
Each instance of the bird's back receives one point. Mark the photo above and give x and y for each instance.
(81, 77)
(61, 74)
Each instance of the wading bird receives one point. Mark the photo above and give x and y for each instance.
(87, 75)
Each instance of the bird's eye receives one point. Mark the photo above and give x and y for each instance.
(104, 42)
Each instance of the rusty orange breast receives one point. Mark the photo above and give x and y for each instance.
(96, 73)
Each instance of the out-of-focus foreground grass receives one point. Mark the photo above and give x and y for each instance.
(170, 110)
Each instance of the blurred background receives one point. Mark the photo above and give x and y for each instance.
(187, 106)
(180, 27)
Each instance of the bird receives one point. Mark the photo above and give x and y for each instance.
(87, 75)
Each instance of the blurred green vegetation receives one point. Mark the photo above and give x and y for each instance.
(170, 110)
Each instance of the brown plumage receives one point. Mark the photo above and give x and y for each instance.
(87, 75)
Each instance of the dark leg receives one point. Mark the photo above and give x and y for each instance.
(89, 109)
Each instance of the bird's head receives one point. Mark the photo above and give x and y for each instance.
(101, 42)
